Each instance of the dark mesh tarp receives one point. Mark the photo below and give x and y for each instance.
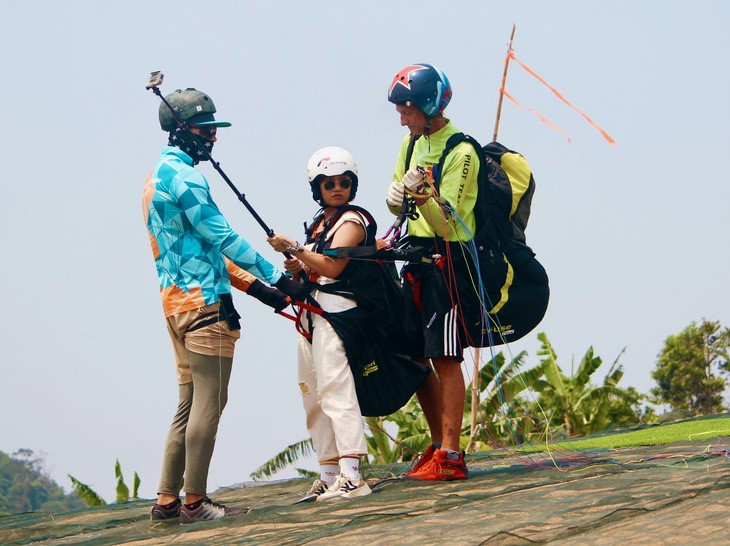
(669, 494)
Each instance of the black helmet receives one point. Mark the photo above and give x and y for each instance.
(192, 106)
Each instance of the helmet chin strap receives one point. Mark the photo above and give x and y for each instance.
(429, 126)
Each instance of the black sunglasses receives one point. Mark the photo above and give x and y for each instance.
(207, 131)
(330, 184)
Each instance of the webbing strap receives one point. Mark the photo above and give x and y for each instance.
(413, 254)
(205, 320)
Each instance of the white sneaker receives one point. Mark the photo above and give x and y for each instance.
(346, 488)
(318, 488)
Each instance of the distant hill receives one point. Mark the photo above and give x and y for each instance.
(25, 487)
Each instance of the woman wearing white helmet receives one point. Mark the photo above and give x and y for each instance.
(334, 420)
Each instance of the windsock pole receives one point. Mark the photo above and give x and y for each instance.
(504, 82)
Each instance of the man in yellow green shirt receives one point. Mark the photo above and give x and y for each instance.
(421, 92)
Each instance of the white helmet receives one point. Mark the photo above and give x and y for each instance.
(330, 161)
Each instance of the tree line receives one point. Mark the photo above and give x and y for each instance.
(25, 486)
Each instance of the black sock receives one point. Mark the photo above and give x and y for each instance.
(195, 504)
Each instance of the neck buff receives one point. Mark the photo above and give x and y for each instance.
(188, 143)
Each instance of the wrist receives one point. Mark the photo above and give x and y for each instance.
(295, 248)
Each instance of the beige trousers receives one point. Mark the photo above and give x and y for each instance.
(213, 340)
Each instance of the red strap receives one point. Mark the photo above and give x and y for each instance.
(287, 315)
(308, 307)
(416, 284)
(298, 318)
(300, 328)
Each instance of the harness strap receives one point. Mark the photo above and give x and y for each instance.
(351, 251)
(408, 209)
(335, 288)
(205, 320)
(413, 254)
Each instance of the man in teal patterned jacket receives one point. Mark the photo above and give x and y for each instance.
(198, 257)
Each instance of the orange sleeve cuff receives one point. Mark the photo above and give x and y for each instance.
(240, 278)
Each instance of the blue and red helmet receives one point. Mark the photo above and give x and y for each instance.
(423, 86)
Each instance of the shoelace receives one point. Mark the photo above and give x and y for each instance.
(318, 487)
(348, 486)
(207, 500)
(216, 505)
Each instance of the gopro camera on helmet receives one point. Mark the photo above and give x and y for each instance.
(155, 79)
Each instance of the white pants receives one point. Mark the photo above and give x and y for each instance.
(334, 420)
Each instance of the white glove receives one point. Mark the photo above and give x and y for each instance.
(414, 180)
(396, 193)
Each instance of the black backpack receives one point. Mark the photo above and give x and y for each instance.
(517, 291)
(506, 188)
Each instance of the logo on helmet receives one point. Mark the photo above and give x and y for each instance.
(404, 76)
(326, 162)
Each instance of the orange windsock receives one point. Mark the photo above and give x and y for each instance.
(557, 93)
(538, 114)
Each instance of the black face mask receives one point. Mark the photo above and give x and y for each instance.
(189, 143)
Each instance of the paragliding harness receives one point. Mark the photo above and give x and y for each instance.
(372, 282)
(515, 286)
(370, 278)
(373, 333)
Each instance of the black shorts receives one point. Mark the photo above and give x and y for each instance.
(432, 300)
(451, 315)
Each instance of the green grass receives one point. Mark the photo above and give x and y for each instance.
(694, 430)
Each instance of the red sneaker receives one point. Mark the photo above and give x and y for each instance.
(440, 468)
(422, 459)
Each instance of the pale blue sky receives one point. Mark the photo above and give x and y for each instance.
(631, 236)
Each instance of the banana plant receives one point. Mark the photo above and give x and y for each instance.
(411, 437)
(574, 406)
(88, 495)
(501, 414)
(293, 453)
(122, 489)
(92, 498)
